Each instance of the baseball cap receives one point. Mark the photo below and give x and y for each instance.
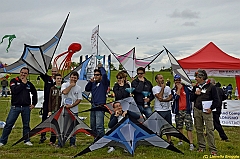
(177, 77)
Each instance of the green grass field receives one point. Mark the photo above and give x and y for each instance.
(44, 151)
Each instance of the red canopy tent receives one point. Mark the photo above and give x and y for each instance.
(213, 60)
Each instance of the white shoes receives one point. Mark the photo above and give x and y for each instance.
(111, 149)
(28, 143)
(180, 143)
(191, 147)
(1, 144)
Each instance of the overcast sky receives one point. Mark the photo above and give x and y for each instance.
(182, 26)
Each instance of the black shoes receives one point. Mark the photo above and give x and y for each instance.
(43, 138)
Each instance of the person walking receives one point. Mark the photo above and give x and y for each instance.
(21, 103)
(217, 113)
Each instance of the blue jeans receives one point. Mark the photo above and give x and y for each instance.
(97, 122)
(4, 91)
(11, 119)
(147, 111)
(72, 139)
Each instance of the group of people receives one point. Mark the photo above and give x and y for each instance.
(55, 93)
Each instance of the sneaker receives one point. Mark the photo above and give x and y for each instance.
(226, 140)
(111, 149)
(179, 143)
(191, 147)
(74, 146)
(125, 151)
(51, 144)
(1, 144)
(28, 143)
(213, 153)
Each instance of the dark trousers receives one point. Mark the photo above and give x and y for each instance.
(218, 126)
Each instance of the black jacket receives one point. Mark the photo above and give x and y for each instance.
(114, 120)
(120, 92)
(209, 95)
(139, 87)
(21, 93)
(48, 83)
(222, 97)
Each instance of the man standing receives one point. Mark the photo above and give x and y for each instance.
(4, 84)
(142, 84)
(204, 91)
(71, 90)
(182, 107)
(217, 113)
(49, 81)
(163, 97)
(98, 86)
(21, 104)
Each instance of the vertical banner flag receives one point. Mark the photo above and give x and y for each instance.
(237, 78)
(94, 43)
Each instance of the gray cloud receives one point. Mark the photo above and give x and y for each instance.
(185, 14)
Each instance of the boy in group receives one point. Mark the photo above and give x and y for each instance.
(55, 98)
(71, 90)
(163, 97)
(182, 107)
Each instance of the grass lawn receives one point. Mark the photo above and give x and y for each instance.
(44, 151)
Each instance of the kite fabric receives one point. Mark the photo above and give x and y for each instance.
(63, 123)
(160, 126)
(126, 103)
(129, 61)
(10, 39)
(37, 58)
(128, 134)
(177, 69)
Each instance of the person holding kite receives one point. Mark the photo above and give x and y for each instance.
(55, 98)
(73, 93)
(118, 115)
(49, 81)
(22, 103)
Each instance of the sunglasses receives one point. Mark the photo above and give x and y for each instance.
(97, 74)
(119, 78)
(140, 73)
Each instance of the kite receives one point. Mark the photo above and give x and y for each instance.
(67, 61)
(126, 103)
(177, 69)
(37, 58)
(160, 126)
(63, 123)
(10, 39)
(128, 134)
(129, 61)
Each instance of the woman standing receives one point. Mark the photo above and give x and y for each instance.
(120, 86)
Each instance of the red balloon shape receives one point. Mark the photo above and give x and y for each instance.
(74, 47)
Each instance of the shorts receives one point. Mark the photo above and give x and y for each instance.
(182, 118)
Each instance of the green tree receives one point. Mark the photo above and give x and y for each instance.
(120, 67)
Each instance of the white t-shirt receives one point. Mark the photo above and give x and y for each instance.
(162, 106)
(75, 93)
